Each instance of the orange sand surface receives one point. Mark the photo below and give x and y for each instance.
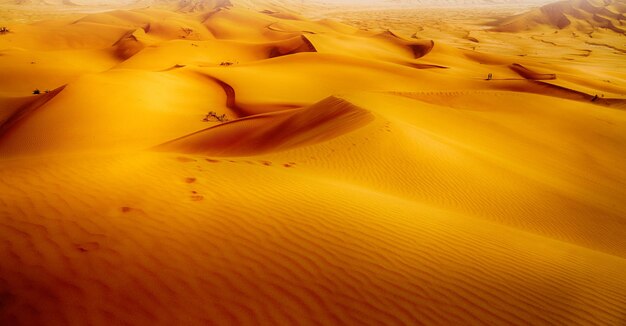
(358, 168)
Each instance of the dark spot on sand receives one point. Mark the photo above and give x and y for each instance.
(197, 198)
(88, 246)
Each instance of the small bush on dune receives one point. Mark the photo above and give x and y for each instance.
(4, 30)
(187, 31)
(36, 92)
(213, 116)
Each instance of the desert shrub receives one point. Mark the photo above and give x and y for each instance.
(36, 91)
(4, 30)
(187, 31)
(213, 116)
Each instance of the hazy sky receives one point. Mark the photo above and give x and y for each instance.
(421, 2)
(424, 1)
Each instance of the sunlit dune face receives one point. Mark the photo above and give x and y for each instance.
(235, 162)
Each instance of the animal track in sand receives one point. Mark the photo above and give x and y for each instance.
(215, 161)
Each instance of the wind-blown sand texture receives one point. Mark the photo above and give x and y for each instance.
(359, 177)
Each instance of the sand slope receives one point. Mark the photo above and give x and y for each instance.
(360, 176)
(582, 15)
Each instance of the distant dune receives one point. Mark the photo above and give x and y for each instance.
(235, 163)
(581, 15)
(468, 3)
(283, 4)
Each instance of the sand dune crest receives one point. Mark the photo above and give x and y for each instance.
(277, 131)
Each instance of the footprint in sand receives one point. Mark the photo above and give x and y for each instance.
(88, 246)
(132, 211)
(196, 197)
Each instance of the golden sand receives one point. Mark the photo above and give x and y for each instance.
(365, 171)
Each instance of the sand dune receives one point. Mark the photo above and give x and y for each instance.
(583, 15)
(16, 111)
(237, 163)
(277, 131)
(529, 74)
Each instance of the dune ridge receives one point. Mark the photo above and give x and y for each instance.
(10, 118)
(263, 133)
(529, 74)
(583, 15)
